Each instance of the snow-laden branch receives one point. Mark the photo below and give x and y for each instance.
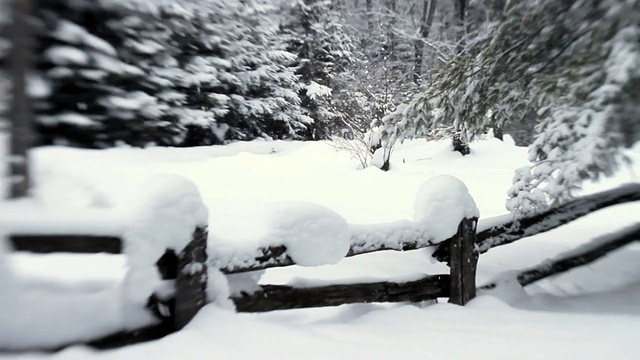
(548, 220)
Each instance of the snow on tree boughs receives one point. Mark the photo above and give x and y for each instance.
(584, 128)
(171, 73)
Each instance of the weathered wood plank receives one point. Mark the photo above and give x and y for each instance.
(130, 337)
(281, 297)
(168, 265)
(111, 341)
(191, 282)
(583, 255)
(463, 263)
(557, 216)
(84, 244)
(276, 256)
(547, 220)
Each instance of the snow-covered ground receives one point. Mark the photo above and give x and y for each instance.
(589, 313)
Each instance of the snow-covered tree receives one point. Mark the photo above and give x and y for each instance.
(577, 62)
(589, 75)
(100, 93)
(178, 73)
(317, 34)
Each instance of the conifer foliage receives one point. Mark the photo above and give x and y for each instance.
(576, 62)
(172, 73)
(316, 33)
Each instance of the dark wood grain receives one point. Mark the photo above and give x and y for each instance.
(83, 244)
(281, 297)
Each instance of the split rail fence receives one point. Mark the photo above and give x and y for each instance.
(461, 252)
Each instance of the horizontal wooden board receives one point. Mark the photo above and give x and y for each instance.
(83, 244)
(281, 297)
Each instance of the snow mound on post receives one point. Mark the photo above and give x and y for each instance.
(313, 234)
(441, 204)
(168, 210)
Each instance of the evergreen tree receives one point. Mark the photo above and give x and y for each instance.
(316, 33)
(176, 73)
(576, 61)
(99, 94)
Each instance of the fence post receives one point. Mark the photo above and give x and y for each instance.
(463, 263)
(191, 281)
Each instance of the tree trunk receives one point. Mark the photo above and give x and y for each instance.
(369, 14)
(497, 132)
(460, 9)
(459, 145)
(21, 112)
(282, 297)
(391, 36)
(496, 8)
(459, 6)
(426, 21)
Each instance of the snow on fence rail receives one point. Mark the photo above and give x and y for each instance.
(510, 231)
(582, 255)
(440, 205)
(164, 241)
(459, 285)
(444, 210)
(408, 235)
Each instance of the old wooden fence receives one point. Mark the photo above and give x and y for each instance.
(461, 252)
(173, 313)
(459, 285)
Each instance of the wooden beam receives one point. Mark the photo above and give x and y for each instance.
(191, 281)
(83, 244)
(281, 297)
(411, 238)
(583, 255)
(130, 337)
(548, 220)
(463, 263)
(111, 341)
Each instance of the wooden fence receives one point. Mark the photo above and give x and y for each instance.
(459, 285)
(191, 282)
(173, 314)
(461, 252)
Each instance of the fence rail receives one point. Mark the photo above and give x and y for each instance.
(172, 313)
(459, 286)
(188, 266)
(79, 244)
(406, 236)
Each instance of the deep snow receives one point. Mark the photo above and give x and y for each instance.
(590, 313)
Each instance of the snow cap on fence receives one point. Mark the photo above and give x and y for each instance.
(168, 210)
(441, 204)
(314, 235)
